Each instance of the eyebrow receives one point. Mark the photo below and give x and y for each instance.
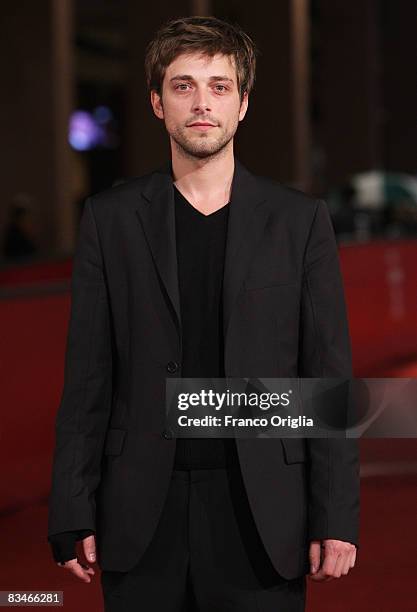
(188, 77)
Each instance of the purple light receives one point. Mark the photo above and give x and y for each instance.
(84, 134)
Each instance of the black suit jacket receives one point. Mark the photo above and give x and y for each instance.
(284, 316)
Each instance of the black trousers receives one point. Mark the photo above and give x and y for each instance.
(206, 555)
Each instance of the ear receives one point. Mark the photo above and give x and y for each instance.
(156, 102)
(243, 106)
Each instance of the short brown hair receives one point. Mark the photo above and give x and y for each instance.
(206, 35)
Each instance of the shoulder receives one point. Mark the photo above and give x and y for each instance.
(273, 187)
(122, 192)
(288, 199)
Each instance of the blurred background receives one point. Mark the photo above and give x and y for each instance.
(332, 113)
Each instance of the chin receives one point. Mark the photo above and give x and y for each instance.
(205, 151)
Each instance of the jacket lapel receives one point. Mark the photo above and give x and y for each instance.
(247, 219)
(157, 214)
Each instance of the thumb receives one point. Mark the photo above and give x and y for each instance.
(314, 556)
(89, 547)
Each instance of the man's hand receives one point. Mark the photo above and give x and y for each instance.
(330, 559)
(79, 569)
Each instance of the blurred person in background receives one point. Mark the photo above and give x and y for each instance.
(19, 241)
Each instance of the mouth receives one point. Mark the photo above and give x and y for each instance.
(202, 126)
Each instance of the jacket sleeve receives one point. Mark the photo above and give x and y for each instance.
(63, 545)
(84, 410)
(325, 351)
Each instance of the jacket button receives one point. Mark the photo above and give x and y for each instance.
(172, 366)
(167, 434)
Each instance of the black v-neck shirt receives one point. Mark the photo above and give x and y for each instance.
(200, 243)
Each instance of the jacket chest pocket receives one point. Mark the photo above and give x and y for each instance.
(267, 282)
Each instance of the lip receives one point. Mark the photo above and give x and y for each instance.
(202, 126)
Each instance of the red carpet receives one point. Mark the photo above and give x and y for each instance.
(382, 581)
(32, 352)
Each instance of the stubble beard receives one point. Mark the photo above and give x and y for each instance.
(201, 146)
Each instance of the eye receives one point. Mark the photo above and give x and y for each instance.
(181, 85)
(223, 86)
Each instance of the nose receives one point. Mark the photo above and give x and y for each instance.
(200, 102)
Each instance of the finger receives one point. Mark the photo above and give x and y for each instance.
(347, 562)
(87, 568)
(340, 564)
(330, 559)
(350, 561)
(89, 548)
(320, 576)
(72, 562)
(314, 556)
(62, 563)
(75, 567)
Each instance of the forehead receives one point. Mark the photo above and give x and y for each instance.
(199, 65)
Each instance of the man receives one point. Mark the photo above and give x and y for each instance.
(200, 269)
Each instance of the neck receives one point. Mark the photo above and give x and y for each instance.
(205, 181)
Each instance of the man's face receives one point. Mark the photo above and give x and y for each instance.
(200, 89)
